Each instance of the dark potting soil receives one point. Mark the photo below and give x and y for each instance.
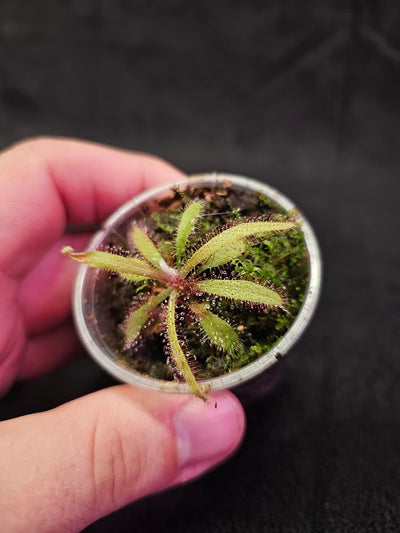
(280, 261)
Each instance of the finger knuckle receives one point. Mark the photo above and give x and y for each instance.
(108, 463)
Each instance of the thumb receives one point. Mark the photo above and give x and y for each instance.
(65, 468)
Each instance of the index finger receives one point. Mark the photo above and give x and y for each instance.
(49, 183)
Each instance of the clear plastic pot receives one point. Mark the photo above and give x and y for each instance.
(253, 380)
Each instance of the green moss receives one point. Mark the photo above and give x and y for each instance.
(167, 222)
(159, 370)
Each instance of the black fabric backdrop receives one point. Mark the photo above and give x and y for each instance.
(304, 96)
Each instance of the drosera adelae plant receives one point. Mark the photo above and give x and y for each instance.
(189, 282)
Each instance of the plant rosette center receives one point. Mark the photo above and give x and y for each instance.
(200, 283)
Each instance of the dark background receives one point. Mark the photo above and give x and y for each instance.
(304, 95)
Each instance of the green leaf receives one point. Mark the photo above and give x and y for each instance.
(146, 247)
(186, 226)
(176, 350)
(133, 277)
(225, 255)
(140, 316)
(242, 290)
(217, 329)
(228, 239)
(113, 263)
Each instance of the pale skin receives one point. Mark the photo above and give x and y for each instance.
(63, 469)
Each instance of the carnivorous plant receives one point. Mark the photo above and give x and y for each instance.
(189, 282)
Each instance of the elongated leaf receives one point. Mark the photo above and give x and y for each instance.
(140, 316)
(113, 263)
(186, 226)
(217, 329)
(242, 290)
(177, 352)
(228, 238)
(146, 247)
(133, 277)
(225, 254)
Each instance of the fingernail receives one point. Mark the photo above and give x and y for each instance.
(208, 430)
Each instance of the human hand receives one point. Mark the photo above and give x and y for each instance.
(65, 468)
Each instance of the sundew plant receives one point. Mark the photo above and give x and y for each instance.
(185, 291)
